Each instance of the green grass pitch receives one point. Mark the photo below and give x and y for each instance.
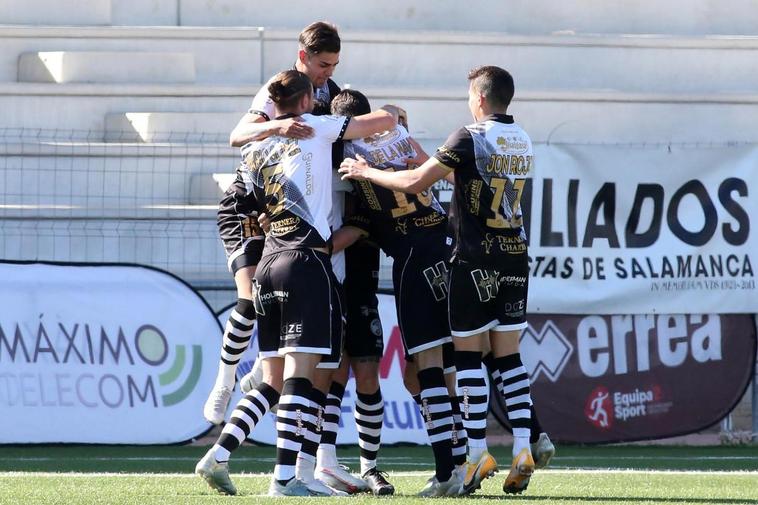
(660, 475)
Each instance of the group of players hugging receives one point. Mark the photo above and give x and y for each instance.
(305, 260)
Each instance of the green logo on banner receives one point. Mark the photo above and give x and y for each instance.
(153, 349)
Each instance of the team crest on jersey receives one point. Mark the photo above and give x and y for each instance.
(401, 226)
(382, 138)
(487, 243)
(513, 144)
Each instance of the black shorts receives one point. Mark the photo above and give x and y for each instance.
(298, 306)
(420, 281)
(364, 334)
(484, 299)
(238, 227)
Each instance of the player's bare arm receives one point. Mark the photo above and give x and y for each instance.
(374, 122)
(407, 181)
(345, 237)
(255, 127)
(421, 155)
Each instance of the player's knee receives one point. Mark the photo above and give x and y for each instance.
(272, 370)
(410, 378)
(366, 372)
(429, 358)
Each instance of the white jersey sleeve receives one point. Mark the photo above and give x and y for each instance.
(335, 222)
(329, 128)
(262, 104)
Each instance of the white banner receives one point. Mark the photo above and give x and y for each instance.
(103, 354)
(641, 230)
(402, 420)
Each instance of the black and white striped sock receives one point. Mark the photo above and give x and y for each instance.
(472, 388)
(327, 450)
(458, 435)
(248, 412)
(489, 362)
(306, 460)
(518, 400)
(291, 418)
(369, 416)
(460, 438)
(494, 373)
(438, 419)
(239, 328)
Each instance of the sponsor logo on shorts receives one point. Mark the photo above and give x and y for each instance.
(376, 329)
(512, 280)
(261, 299)
(291, 330)
(436, 278)
(486, 284)
(516, 309)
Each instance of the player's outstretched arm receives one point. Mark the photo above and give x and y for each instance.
(375, 122)
(255, 127)
(407, 181)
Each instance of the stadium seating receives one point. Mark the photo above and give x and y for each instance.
(126, 105)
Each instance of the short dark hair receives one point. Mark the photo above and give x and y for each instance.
(320, 37)
(495, 85)
(350, 102)
(286, 88)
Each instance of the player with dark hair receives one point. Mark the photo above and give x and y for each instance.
(358, 266)
(238, 212)
(297, 299)
(318, 56)
(489, 274)
(411, 229)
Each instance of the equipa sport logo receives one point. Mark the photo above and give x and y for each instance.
(603, 407)
(95, 366)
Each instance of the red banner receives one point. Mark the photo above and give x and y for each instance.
(599, 379)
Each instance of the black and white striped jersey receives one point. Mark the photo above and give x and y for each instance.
(491, 160)
(293, 180)
(395, 220)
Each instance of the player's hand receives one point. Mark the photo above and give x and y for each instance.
(420, 157)
(354, 168)
(264, 222)
(399, 113)
(294, 128)
(402, 117)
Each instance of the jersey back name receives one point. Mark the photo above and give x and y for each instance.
(394, 219)
(491, 160)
